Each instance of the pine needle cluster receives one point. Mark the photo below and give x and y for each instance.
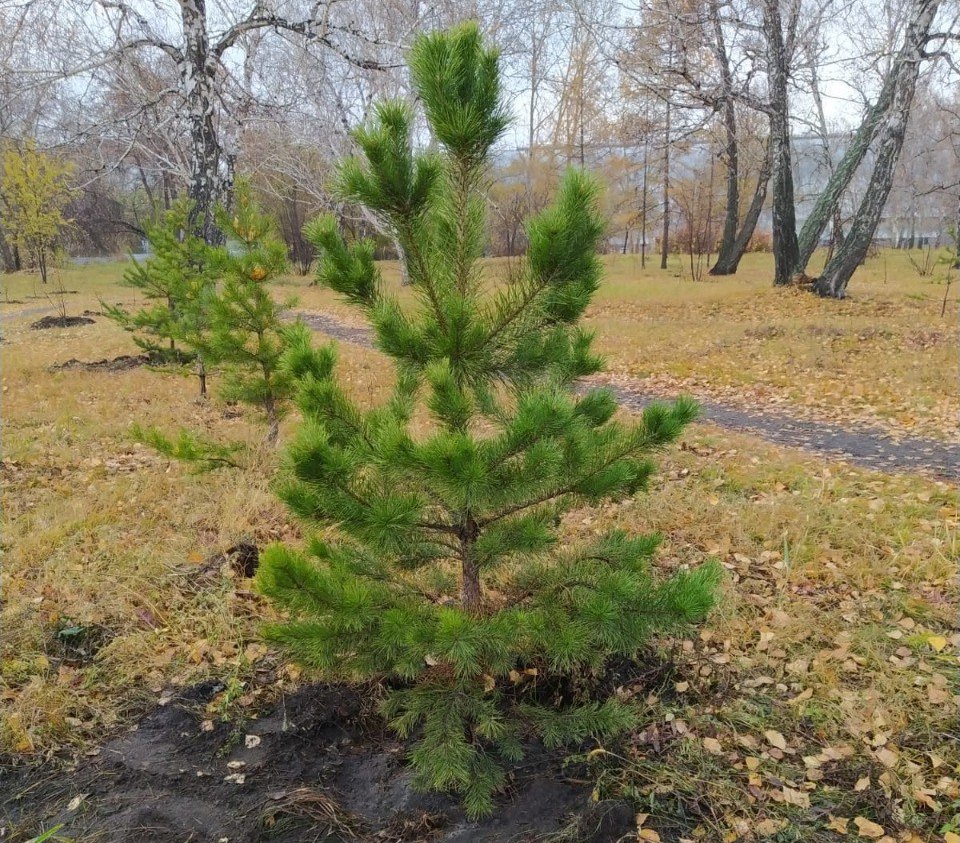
(443, 572)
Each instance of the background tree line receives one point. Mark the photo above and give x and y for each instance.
(717, 125)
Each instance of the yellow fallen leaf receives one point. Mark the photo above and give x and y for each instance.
(796, 797)
(937, 642)
(650, 835)
(868, 828)
(951, 837)
(767, 828)
(887, 757)
(713, 746)
(838, 824)
(774, 738)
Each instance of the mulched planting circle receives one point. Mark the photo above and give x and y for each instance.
(122, 363)
(61, 322)
(319, 765)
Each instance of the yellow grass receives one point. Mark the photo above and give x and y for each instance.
(837, 624)
(884, 357)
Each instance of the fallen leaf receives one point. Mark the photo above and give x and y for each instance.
(796, 797)
(887, 757)
(868, 828)
(838, 824)
(774, 738)
(713, 746)
(767, 828)
(251, 741)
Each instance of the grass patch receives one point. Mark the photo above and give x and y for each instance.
(837, 628)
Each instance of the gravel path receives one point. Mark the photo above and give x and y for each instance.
(23, 314)
(866, 446)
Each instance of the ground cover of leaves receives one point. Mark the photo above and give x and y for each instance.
(821, 701)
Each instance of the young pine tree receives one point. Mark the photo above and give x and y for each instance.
(178, 280)
(444, 574)
(247, 336)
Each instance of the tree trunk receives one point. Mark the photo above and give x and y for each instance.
(709, 232)
(850, 254)
(731, 151)
(202, 376)
(665, 241)
(273, 421)
(7, 254)
(207, 187)
(903, 66)
(470, 593)
(643, 207)
(785, 248)
(956, 237)
(42, 263)
(728, 262)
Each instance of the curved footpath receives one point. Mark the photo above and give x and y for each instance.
(870, 447)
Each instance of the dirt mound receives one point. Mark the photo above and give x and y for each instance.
(319, 766)
(115, 364)
(61, 322)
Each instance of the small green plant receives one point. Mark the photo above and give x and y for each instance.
(445, 574)
(48, 835)
(186, 446)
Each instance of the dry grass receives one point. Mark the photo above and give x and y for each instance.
(837, 628)
(884, 357)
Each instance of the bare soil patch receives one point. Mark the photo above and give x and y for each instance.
(61, 322)
(318, 766)
(123, 363)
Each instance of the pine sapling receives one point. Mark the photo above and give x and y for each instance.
(177, 280)
(247, 334)
(441, 571)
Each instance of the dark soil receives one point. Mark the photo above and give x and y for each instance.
(861, 445)
(243, 558)
(319, 766)
(61, 322)
(122, 363)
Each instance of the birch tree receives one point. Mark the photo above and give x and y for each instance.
(200, 56)
(885, 116)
